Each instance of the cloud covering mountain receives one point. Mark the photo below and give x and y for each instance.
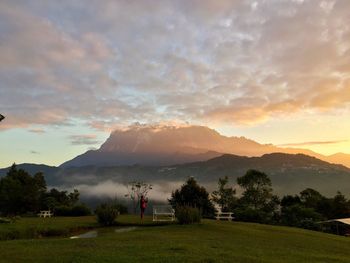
(169, 145)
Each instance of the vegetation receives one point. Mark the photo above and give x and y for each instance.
(224, 196)
(75, 210)
(21, 193)
(135, 191)
(187, 215)
(35, 227)
(192, 195)
(257, 204)
(106, 214)
(210, 241)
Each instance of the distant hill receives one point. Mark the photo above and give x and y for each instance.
(48, 171)
(167, 145)
(342, 158)
(289, 173)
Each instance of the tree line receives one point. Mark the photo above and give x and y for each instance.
(21, 193)
(258, 203)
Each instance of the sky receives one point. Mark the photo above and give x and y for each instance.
(275, 71)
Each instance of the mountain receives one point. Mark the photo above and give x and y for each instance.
(290, 173)
(342, 158)
(168, 145)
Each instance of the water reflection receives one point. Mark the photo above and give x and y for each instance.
(103, 231)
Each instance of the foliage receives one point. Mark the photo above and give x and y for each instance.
(187, 215)
(300, 216)
(106, 214)
(193, 195)
(20, 192)
(55, 198)
(224, 196)
(136, 190)
(257, 204)
(76, 210)
(311, 207)
(123, 210)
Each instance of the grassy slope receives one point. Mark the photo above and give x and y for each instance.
(36, 227)
(210, 241)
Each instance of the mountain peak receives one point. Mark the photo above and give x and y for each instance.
(168, 145)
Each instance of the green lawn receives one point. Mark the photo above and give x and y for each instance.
(210, 241)
(34, 227)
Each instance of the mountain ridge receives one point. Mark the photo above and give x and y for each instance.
(290, 173)
(169, 145)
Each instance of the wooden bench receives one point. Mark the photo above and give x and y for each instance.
(45, 213)
(223, 215)
(163, 213)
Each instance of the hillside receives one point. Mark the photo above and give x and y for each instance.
(48, 171)
(210, 241)
(289, 173)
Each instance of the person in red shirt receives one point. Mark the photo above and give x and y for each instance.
(143, 205)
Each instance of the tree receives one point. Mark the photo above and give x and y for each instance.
(257, 189)
(340, 206)
(257, 203)
(136, 190)
(55, 198)
(192, 195)
(20, 192)
(224, 196)
(310, 197)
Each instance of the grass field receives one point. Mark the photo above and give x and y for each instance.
(210, 241)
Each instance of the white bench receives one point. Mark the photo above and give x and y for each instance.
(163, 213)
(223, 215)
(45, 213)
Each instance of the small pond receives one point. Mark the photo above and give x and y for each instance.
(103, 231)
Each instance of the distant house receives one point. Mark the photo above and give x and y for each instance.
(339, 226)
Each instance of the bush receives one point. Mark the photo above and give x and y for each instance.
(77, 210)
(62, 210)
(121, 208)
(106, 214)
(187, 215)
(80, 210)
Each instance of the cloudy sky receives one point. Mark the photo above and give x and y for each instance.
(276, 71)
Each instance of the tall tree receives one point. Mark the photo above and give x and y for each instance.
(193, 195)
(257, 189)
(20, 192)
(257, 204)
(224, 196)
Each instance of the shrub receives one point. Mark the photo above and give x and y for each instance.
(187, 215)
(62, 210)
(77, 210)
(193, 195)
(80, 210)
(121, 208)
(106, 214)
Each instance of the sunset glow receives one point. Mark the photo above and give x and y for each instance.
(277, 72)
